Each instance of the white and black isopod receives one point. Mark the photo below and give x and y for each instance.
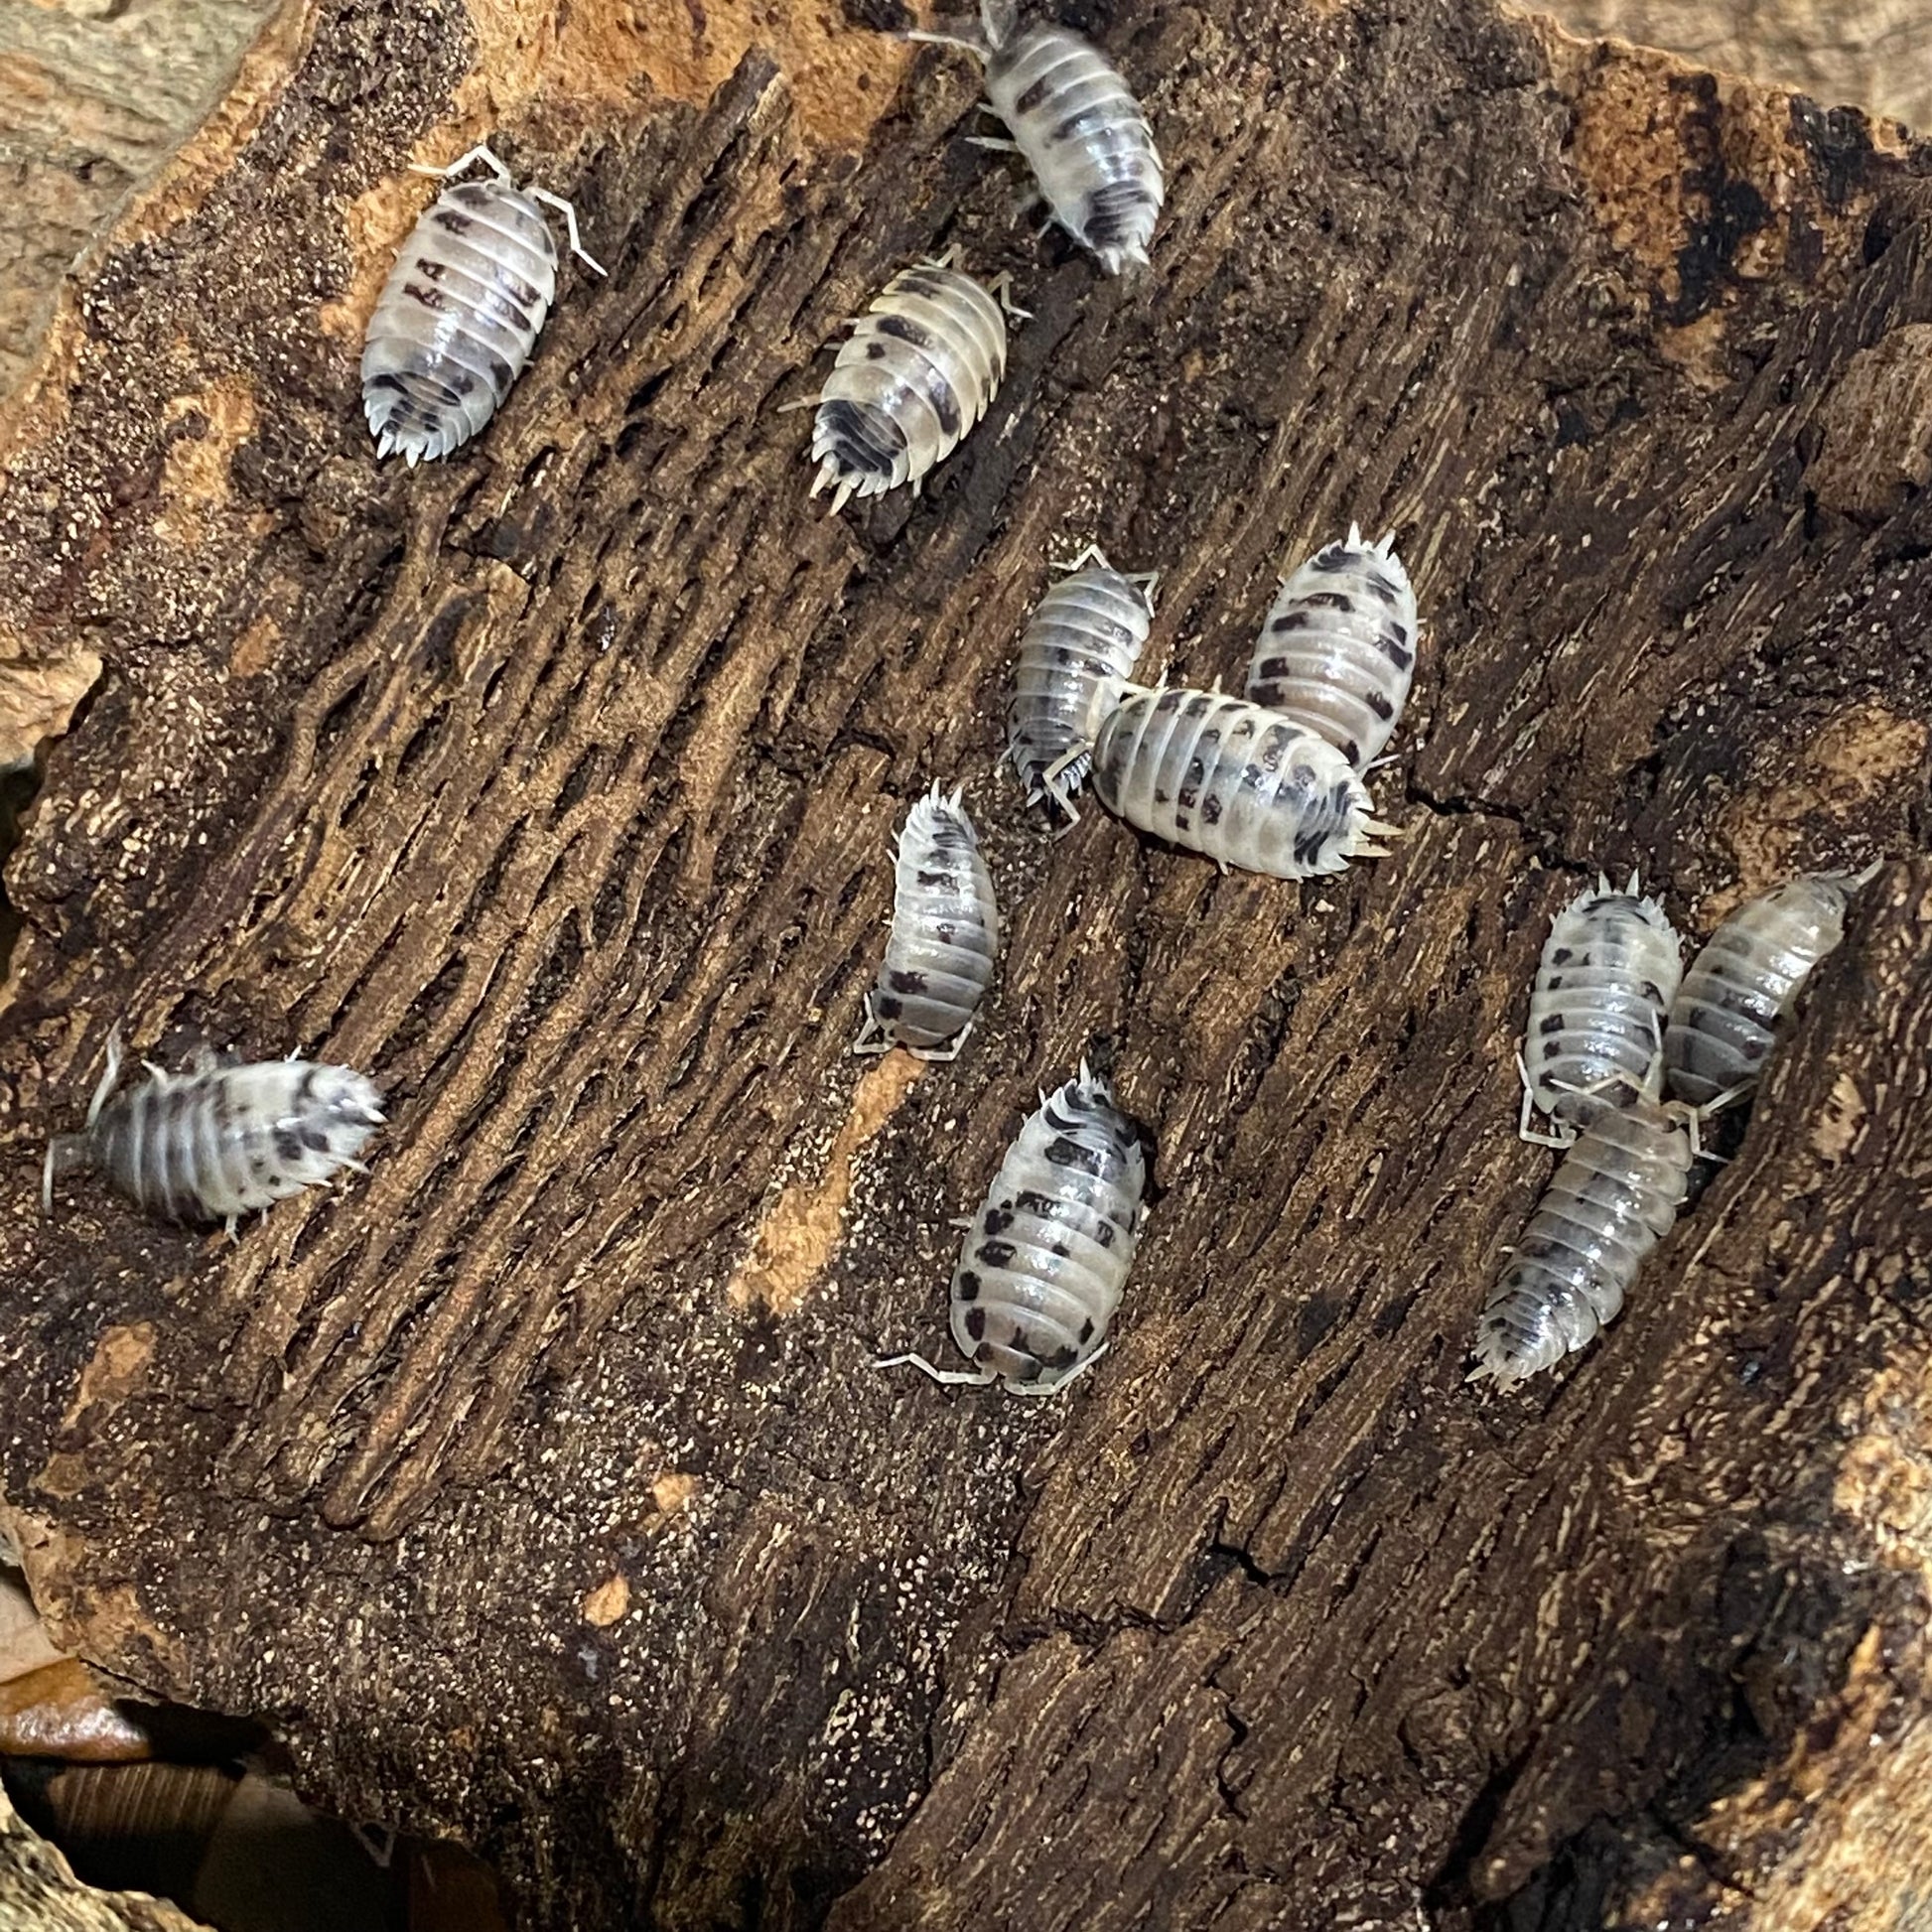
(945, 933)
(1612, 1200)
(459, 313)
(1723, 1023)
(1241, 784)
(1079, 127)
(1078, 652)
(219, 1141)
(919, 369)
(1045, 1260)
(1339, 650)
(1608, 973)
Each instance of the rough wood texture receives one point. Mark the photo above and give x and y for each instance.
(538, 1485)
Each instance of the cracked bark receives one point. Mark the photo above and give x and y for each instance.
(555, 784)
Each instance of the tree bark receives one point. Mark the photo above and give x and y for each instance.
(538, 1486)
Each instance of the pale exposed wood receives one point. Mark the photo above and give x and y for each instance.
(539, 1484)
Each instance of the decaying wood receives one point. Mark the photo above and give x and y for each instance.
(40, 1893)
(538, 1486)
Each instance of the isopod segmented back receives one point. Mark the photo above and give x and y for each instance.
(1608, 973)
(461, 312)
(1045, 1260)
(1079, 127)
(1078, 652)
(1241, 784)
(1612, 1200)
(945, 935)
(1723, 1021)
(1339, 650)
(223, 1141)
(920, 369)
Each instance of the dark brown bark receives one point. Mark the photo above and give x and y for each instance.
(538, 1485)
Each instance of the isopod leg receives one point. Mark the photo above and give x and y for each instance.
(961, 1378)
(482, 151)
(872, 1036)
(569, 213)
(943, 1053)
(1066, 1381)
(1001, 289)
(107, 1078)
(1092, 554)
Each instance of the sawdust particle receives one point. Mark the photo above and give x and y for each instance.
(796, 1238)
(608, 1603)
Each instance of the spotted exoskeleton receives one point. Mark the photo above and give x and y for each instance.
(1078, 126)
(1608, 973)
(216, 1143)
(1045, 1260)
(919, 369)
(945, 935)
(1723, 1021)
(1078, 652)
(1241, 784)
(1339, 650)
(459, 313)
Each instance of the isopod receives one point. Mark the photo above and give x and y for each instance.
(1045, 1260)
(945, 932)
(1723, 1023)
(1339, 650)
(216, 1143)
(919, 369)
(1078, 125)
(1075, 659)
(1612, 1200)
(461, 311)
(1608, 973)
(1230, 779)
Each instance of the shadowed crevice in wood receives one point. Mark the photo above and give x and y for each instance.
(556, 785)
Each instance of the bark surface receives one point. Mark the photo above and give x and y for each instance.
(537, 1485)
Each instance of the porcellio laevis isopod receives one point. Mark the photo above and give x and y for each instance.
(1078, 652)
(216, 1143)
(1723, 1021)
(459, 313)
(1608, 973)
(1241, 784)
(1612, 1200)
(1078, 126)
(1339, 650)
(919, 369)
(1045, 1260)
(945, 932)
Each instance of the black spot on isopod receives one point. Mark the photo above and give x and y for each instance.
(1561, 957)
(1379, 704)
(1398, 654)
(1063, 1152)
(994, 1254)
(901, 980)
(887, 1007)
(1291, 621)
(976, 1320)
(1105, 1233)
(1064, 1358)
(1086, 1332)
(1554, 1024)
(1383, 589)
(996, 1220)
(1333, 557)
(288, 1145)
(967, 1287)
(1034, 97)
(1210, 810)
(315, 1138)
(1552, 1050)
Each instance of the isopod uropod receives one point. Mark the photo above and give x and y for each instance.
(1612, 1200)
(1045, 1260)
(461, 311)
(216, 1143)
(1339, 650)
(1078, 126)
(945, 932)
(1239, 783)
(1078, 652)
(1608, 973)
(919, 370)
